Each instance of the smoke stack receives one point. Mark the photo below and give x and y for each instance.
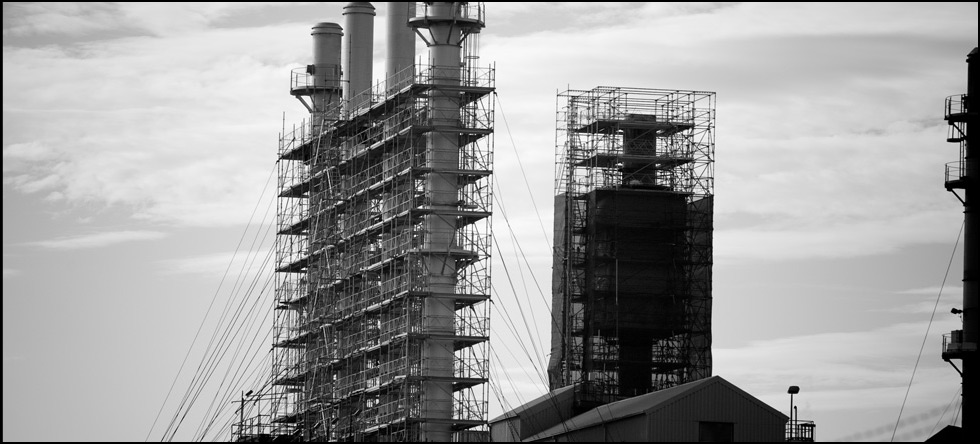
(358, 52)
(401, 42)
(325, 89)
(326, 54)
(447, 25)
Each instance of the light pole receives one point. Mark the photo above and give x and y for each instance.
(792, 424)
(241, 414)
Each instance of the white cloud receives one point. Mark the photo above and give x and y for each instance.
(98, 240)
(10, 272)
(216, 264)
(82, 19)
(180, 130)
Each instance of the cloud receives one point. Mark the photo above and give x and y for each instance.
(933, 291)
(927, 304)
(10, 272)
(217, 264)
(834, 239)
(850, 380)
(112, 20)
(98, 240)
(179, 130)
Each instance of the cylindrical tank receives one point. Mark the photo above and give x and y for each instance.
(401, 43)
(358, 56)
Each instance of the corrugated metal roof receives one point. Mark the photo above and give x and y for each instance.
(560, 395)
(642, 404)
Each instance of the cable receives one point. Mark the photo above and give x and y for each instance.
(220, 340)
(213, 298)
(523, 173)
(933, 316)
(951, 402)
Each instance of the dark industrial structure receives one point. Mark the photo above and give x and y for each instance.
(710, 409)
(961, 114)
(383, 276)
(633, 242)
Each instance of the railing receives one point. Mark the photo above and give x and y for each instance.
(955, 104)
(303, 79)
(256, 428)
(800, 430)
(955, 170)
(466, 11)
(953, 341)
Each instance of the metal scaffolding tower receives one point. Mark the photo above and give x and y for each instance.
(633, 228)
(383, 248)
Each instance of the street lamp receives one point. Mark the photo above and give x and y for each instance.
(241, 410)
(792, 423)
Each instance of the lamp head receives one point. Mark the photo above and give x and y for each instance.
(793, 390)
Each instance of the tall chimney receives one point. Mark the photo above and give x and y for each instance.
(324, 92)
(971, 256)
(961, 114)
(358, 53)
(401, 42)
(447, 25)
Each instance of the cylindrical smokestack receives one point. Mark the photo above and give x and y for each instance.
(326, 54)
(325, 72)
(447, 27)
(971, 257)
(401, 43)
(358, 53)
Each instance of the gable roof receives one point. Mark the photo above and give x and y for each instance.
(559, 396)
(648, 403)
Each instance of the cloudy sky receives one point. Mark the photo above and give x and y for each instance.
(138, 142)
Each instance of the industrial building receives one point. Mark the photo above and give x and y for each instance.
(710, 409)
(961, 114)
(383, 276)
(631, 283)
(633, 242)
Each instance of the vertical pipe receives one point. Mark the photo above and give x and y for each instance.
(358, 53)
(971, 256)
(445, 34)
(401, 42)
(443, 155)
(326, 73)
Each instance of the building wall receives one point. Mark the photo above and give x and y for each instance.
(679, 421)
(630, 429)
(556, 373)
(508, 430)
(534, 417)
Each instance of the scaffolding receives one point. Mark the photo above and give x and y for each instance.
(633, 251)
(355, 258)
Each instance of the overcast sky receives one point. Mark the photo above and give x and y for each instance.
(139, 138)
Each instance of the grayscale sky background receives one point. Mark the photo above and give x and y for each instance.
(138, 139)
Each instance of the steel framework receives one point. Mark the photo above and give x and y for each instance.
(357, 260)
(633, 241)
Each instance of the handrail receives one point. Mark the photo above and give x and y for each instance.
(956, 104)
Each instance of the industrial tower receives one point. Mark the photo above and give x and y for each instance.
(633, 228)
(961, 113)
(383, 248)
